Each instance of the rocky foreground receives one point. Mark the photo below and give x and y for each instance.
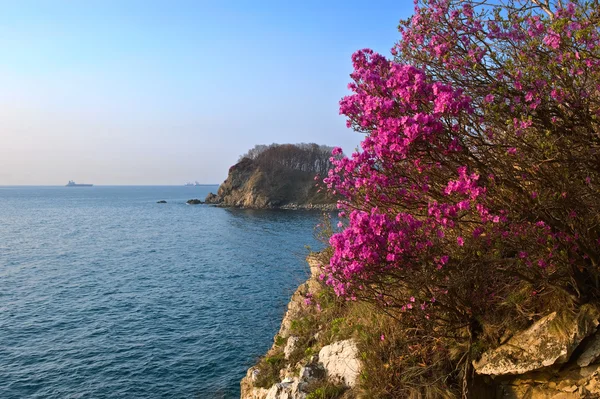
(338, 362)
(555, 358)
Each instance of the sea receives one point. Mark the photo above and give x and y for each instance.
(105, 293)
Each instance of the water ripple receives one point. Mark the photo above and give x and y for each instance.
(106, 294)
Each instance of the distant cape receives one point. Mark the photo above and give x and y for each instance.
(280, 176)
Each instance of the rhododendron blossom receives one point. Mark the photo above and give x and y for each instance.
(481, 143)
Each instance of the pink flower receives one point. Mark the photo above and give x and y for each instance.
(529, 96)
(552, 40)
(460, 241)
(572, 214)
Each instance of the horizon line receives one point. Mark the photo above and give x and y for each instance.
(111, 185)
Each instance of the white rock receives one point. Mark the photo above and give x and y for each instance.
(290, 346)
(290, 388)
(276, 392)
(340, 361)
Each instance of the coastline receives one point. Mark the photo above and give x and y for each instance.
(288, 207)
(302, 372)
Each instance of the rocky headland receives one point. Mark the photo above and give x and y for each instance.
(277, 177)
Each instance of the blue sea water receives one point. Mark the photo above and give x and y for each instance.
(106, 294)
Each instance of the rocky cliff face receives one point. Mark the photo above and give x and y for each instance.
(251, 185)
(334, 370)
(557, 357)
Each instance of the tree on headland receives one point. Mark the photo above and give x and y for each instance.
(278, 175)
(474, 203)
(310, 158)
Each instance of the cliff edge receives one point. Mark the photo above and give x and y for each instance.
(331, 349)
(303, 362)
(279, 176)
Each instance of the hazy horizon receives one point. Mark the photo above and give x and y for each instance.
(156, 93)
(107, 185)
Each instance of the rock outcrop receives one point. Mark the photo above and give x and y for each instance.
(341, 363)
(571, 383)
(557, 357)
(552, 359)
(591, 352)
(544, 344)
(251, 184)
(297, 387)
(337, 363)
(194, 201)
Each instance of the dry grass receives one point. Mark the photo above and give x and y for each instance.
(408, 357)
(268, 370)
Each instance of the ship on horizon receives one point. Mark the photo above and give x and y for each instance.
(71, 183)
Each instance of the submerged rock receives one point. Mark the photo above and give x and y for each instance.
(194, 201)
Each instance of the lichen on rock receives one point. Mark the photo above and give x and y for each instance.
(544, 344)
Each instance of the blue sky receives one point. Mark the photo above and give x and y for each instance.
(162, 92)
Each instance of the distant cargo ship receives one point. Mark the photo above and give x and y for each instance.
(71, 183)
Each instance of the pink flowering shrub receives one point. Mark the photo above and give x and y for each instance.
(475, 193)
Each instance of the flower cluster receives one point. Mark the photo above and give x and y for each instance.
(479, 165)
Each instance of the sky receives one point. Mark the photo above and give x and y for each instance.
(131, 92)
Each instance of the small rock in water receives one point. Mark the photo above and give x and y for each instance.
(212, 199)
(194, 201)
(161, 202)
